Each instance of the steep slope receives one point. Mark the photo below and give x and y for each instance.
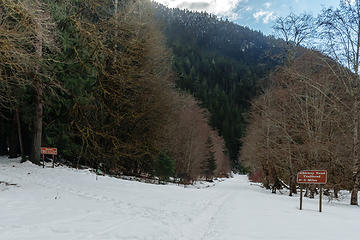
(221, 63)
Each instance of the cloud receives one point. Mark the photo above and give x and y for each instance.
(197, 6)
(248, 9)
(225, 8)
(265, 16)
(267, 4)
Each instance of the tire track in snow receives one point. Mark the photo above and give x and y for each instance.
(200, 227)
(210, 232)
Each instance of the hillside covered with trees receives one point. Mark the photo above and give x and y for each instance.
(308, 117)
(221, 64)
(94, 79)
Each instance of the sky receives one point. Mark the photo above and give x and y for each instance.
(256, 14)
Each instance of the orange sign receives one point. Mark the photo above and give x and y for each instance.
(48, 151)
(312, 176)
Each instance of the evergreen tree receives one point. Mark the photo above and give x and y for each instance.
(164, 166)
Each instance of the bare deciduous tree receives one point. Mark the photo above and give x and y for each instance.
(295, 30)
(340, 29)
(296, 125)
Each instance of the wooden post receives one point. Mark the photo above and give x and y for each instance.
(43, 157)
(53, 158)
(301, 195)
(320, 202)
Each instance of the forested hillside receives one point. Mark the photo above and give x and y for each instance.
(308, 117)
(94, 79)
(221, 64)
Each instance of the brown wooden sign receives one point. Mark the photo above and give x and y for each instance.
(312, 177)
(48, 151)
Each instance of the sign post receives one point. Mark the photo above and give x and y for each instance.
(320, 200)
(312, 177)
(301, 195)
(48, 151)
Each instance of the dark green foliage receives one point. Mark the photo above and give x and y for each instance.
(110, 99)
(110, 105)
(209, 166)
(164, 166)
(76, 73)
(221, 64)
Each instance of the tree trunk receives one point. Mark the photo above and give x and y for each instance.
(277, 184)
(306, 191)
(3, 138)
(36, 151)
(266, 181)
(293, 189)
(292, 183)
(265, 168)
(355, 188)
(336, 192)
(354, 196)
(189, 151)
(19, 134)
(356, 173)
(290, 186)
(312, 191)
(354, 191)
(116, 5)
(273, 189)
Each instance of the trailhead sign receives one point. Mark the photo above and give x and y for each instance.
(48, 151)
(312, 177)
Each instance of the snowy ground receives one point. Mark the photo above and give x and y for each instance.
(67, 204)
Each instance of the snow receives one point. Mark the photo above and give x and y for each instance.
(65, 203)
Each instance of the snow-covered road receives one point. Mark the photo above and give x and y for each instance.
(66, 204)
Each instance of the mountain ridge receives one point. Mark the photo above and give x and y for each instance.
(222, 64)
